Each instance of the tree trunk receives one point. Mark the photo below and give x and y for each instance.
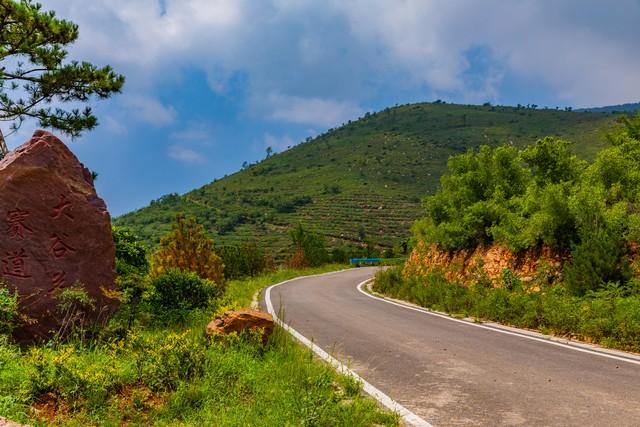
(3, 146)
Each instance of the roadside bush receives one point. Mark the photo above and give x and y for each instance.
(597, 260)
(545, 196)
(176, 292)
(609, 316)
(246, 260)
(14, 374)
(9, 314)
(339, 256)
(389, 281)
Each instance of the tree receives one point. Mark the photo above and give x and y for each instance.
(132, 266)
(34, 75)
(552, 162)
(269, 152)
(187, 247)
(308, 248)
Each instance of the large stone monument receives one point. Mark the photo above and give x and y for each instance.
(55, 233)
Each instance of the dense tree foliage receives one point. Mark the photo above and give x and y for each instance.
(34, 74)
(308, 248)
(131, 253)
(246, 260)
(545, 195)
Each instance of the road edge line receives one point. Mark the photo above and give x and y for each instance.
(595, 352)
(370, 389)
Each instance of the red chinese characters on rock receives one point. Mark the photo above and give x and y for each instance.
(13, 264)
(62, 208)
(60, 249)
(55, 232)
(59, 280)
(16, 224)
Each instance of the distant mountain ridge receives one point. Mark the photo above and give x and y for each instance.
(362, 182)
(620, 108)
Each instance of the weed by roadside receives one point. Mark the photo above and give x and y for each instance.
(160, 374)
(609, 317)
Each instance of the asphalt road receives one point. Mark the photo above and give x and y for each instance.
(452, 373)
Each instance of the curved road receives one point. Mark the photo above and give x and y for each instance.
(454, 373)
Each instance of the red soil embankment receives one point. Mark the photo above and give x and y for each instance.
(484, 262)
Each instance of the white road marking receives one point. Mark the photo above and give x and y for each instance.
(502, 331)
(374, 392)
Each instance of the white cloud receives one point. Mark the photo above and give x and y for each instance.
(186, 155)
(312, 111)
(322, 53)
(150, 110)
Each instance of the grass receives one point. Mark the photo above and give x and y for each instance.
(362, 182)
(609, 317)
(175, 375)
(241, 291)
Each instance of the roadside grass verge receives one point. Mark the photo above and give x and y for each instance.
(175, 375)
(609, 317)
(240, 292)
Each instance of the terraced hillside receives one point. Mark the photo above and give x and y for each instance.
(362, 182)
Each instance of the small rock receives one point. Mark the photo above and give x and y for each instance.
(8, 423)
(240, 320)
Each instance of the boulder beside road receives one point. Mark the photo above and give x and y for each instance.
(240, 320)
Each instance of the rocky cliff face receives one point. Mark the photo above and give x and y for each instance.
(468, 266)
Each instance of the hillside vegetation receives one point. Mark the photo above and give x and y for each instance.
(362, 182)
(620, 108)
(541, 199)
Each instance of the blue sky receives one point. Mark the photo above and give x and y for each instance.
(212, 83)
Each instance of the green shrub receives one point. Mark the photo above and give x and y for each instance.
(510, 280)
(74, 303)
(70, 373)
(308, 248)
(132, 267)
(246, 260)
(339, 255)
(597, 260)
(388, 281)
(163, 360)
(131, 253)
(545, 195)
(9, 314)
(176, 291)
(609, 316)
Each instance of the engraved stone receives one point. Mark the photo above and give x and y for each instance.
(54, 232)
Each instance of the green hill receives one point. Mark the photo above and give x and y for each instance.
(362, 182)
(620, 108)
